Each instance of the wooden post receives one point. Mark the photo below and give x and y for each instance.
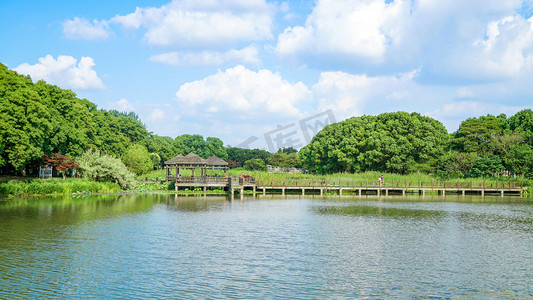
(303, 192)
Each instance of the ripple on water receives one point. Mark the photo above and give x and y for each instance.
(163, 247)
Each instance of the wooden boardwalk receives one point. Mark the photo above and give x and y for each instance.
(362, 187)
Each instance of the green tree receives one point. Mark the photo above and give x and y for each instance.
(284, 160)
(287, 150)
(95, 166)
(487, 166)
(456, 164)
(162, 145)
(519, 160)
(24, 121)
(240, 155)
(522, 123)
(389, 142)
(156, 160)
(474, 134)
(255, 164)
(137, 159)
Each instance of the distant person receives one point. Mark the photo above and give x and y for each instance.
(381, 179)
(170, 173)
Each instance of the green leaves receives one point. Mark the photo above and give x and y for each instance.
(137, 159)
(389, 142)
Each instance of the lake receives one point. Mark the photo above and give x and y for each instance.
(300, 247)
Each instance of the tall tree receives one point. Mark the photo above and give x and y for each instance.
(391, 142)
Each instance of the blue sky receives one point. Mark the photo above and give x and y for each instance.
(242, 68)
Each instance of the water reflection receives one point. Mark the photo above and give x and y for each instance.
(307, 247)
(362, 210)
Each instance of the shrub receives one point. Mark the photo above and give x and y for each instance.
(95, 166)
(138, 160)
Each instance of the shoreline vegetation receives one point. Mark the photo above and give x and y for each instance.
(153, 181)
(108, 151)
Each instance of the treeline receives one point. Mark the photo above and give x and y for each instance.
(404, 143)
(38, 119)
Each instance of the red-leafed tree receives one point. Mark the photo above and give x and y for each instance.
(60, 162)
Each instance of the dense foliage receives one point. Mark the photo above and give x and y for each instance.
(404, 143)
(491, 146)
(38, 119)
(95, 166)
(240, 155)
(137, 159)
(391, 142)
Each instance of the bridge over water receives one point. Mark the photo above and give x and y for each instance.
(359, 187)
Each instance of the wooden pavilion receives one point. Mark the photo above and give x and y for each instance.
(193, 162)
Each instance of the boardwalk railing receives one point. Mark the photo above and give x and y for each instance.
(211, 180)
(392, 184)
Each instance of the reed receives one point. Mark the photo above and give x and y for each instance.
(55, 186)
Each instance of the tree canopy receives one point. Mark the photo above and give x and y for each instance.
(397, 142)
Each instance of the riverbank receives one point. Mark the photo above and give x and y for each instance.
(55, 186)
(154, 181)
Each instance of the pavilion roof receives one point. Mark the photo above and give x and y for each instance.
(215, 161)
(189, 159)
(173, 160)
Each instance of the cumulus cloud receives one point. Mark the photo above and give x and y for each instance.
(203, 23)
(357, 29)
(65, 71)
(121, 105)
(450, 40)
(352, 95)
(506, 51)
(247, 56)
(243, 93)
(78, 28)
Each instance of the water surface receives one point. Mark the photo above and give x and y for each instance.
(162, 246)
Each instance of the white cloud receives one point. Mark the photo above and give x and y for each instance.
(453, 41)
(246, 56)
(202, 23)
(357, 29)
(505, 52)
(121, 105)
(157, 115)
(352, 95)
(242, 93)
(65, 72)
(82, 29)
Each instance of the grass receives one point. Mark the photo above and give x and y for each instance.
(371, 176)
(55, 186)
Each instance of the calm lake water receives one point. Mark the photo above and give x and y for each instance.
(162, 246)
